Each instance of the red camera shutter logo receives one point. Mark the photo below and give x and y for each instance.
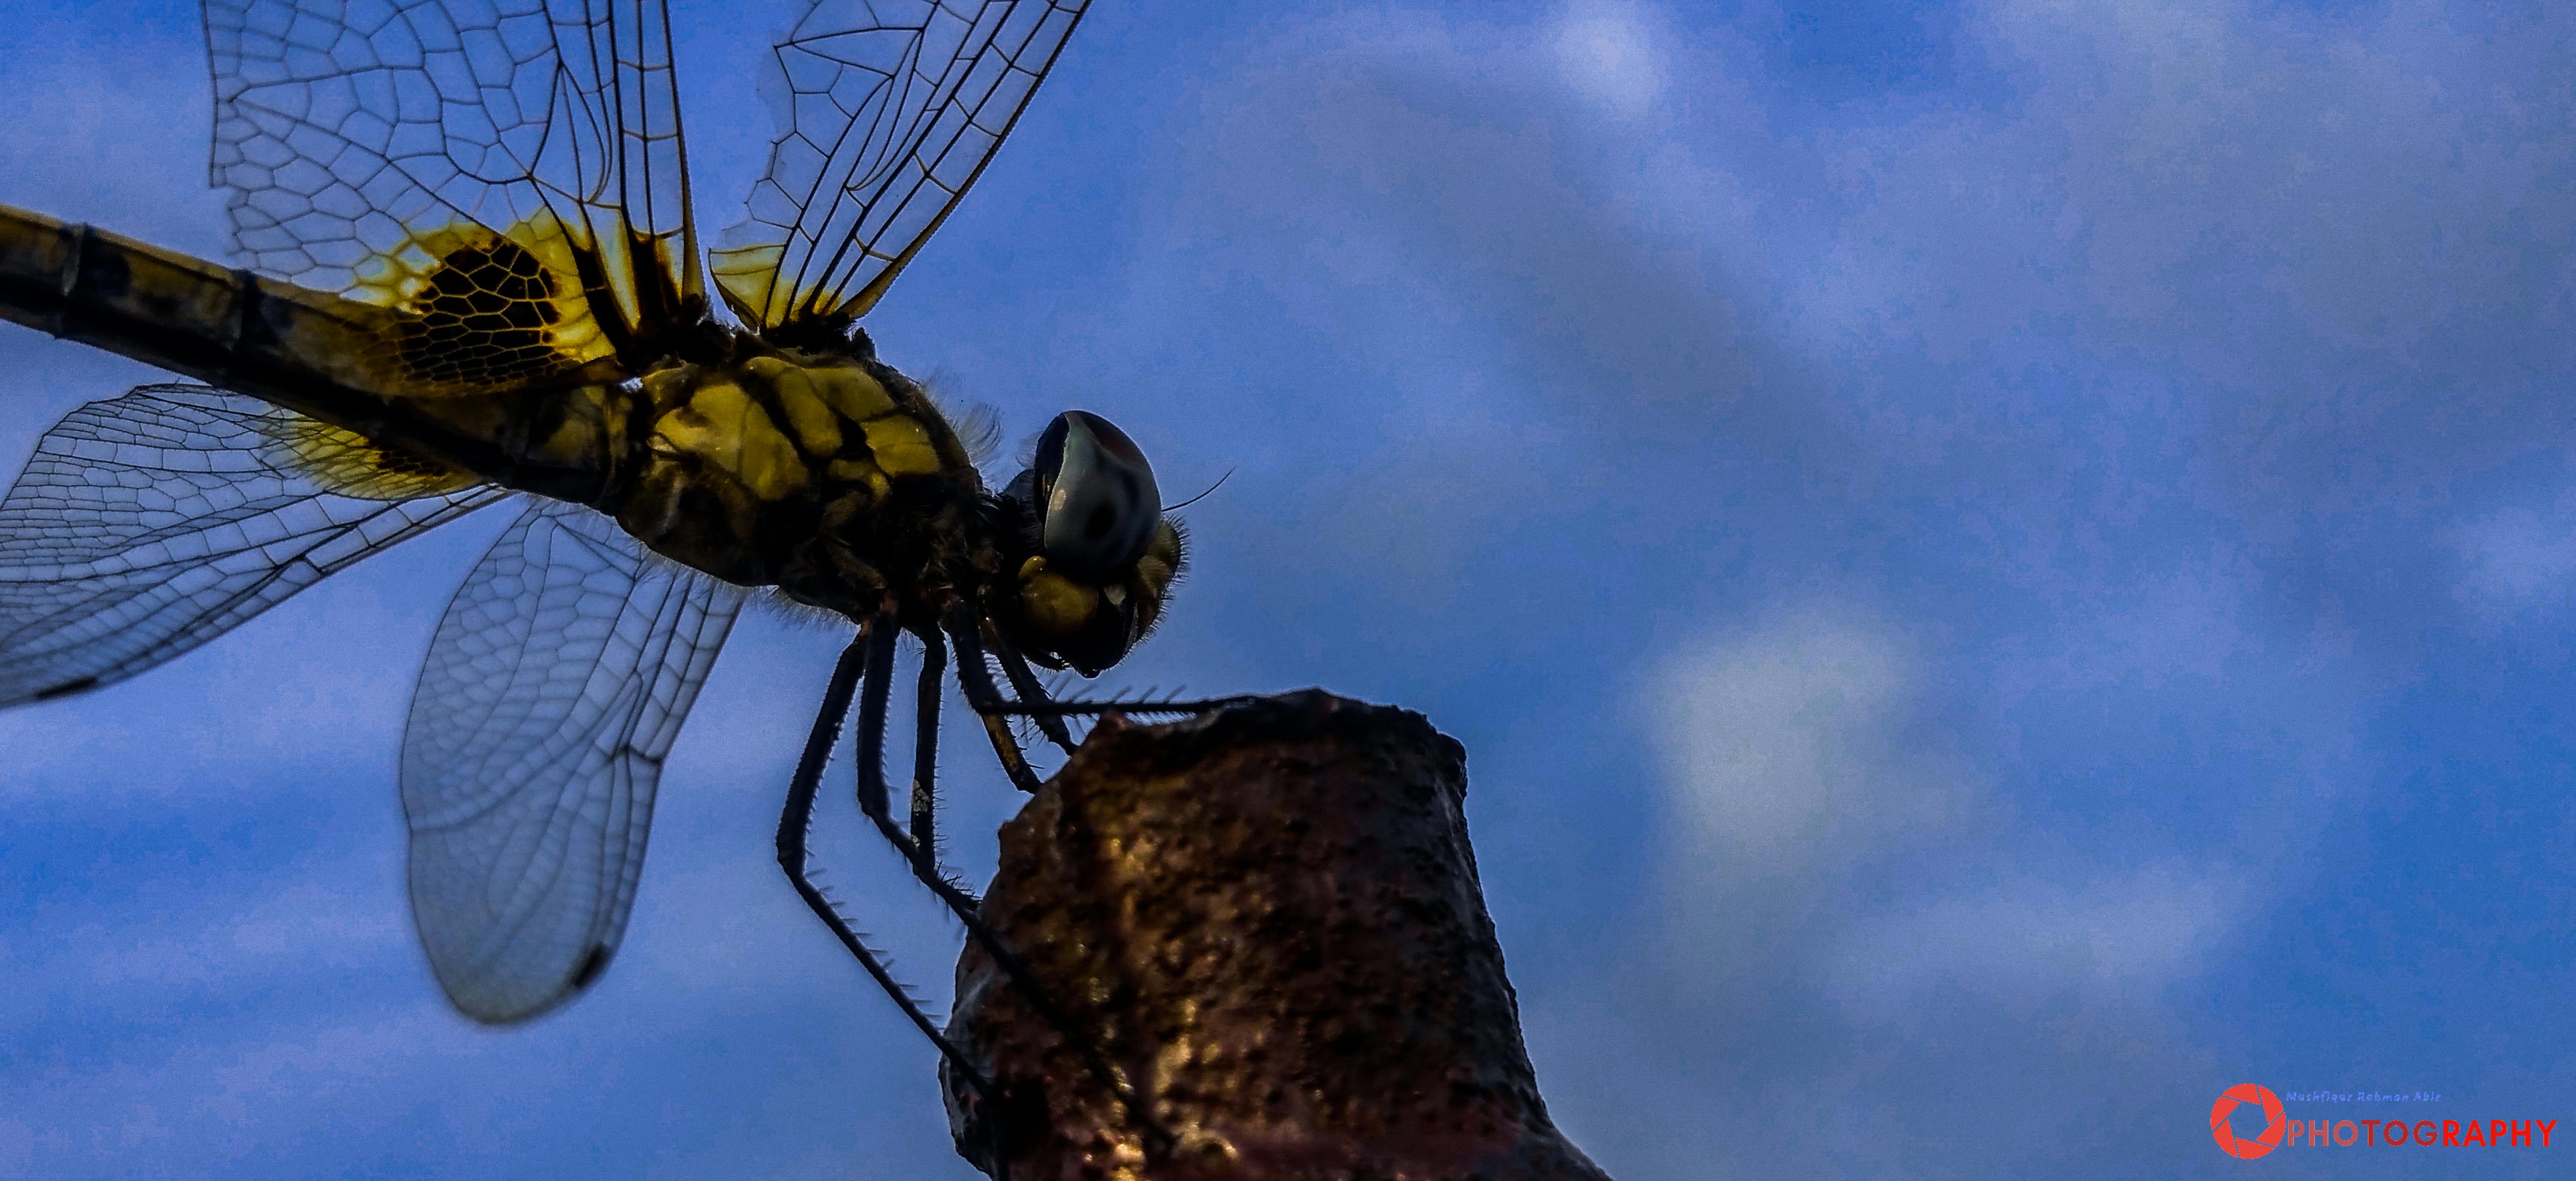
(2273, 1130)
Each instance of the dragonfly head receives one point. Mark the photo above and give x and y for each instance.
(1096, 552)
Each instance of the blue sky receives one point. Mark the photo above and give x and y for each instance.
(2003, 567)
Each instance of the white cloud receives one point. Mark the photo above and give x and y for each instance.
(1819, 819)
(2117, 939)
(1605, 50)
(1783, 743)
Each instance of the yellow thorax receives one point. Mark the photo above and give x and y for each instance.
(724, 419)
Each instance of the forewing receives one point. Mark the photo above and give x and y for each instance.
(891, 108)
(510, 166)
(553, 690)
(148, 524)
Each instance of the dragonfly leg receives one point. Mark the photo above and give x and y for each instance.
(919, 845)
(975, 679)
(925, 755)
(1024, 682)
(798, 817)
(1140, 707)
(980, 693)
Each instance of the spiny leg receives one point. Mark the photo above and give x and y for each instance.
(975, 679)
(876, 689)
(798, 817)
(1025, 683)
(1034, 703)
(925, 754)
(873, 802)
(1141, 706)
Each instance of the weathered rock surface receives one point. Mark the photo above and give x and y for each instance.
(1269, 920)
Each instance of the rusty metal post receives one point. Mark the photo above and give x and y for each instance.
(1269, 919)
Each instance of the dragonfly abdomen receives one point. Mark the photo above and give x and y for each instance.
(311, 352)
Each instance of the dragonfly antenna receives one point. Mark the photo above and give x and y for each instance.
(1220, 483)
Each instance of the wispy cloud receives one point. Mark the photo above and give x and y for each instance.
(1611, 52)
(2518, 557)
(2102, 939)
(1784, 748)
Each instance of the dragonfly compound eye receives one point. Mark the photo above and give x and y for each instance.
(1098, 505)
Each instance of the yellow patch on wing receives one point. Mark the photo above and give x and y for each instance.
(351, 464)
(478, 312)
(748, 277)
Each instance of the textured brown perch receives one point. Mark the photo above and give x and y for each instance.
(1270, 914)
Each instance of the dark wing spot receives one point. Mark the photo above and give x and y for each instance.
(66, 689)
(589, 969)
(486, 318)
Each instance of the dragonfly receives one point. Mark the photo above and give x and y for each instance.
(470, 273)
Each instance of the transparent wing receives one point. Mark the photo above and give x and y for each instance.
(148, 524)
(891, 109)
(496, 165)
(553, 690)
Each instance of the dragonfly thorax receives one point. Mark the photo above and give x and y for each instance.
(829, 475)
(835, 478)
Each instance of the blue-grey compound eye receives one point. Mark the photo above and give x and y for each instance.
(1100, 500)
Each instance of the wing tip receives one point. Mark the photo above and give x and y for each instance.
(516, 1011)
(66, 689)
(593, 962)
